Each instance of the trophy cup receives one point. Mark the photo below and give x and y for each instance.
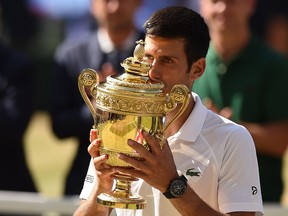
(122, 107)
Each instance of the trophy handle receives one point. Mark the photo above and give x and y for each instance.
(88, 78)
(179, 94)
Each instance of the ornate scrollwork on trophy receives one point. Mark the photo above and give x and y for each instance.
(140, 85)
(88, 78)
(179, 93)
(130, 105)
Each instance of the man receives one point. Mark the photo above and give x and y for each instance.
(102, 50)
(17, 104)
(177, 40)
(243, 80)
(270, 22)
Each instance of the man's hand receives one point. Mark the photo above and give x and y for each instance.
(225, 112)
(103, 171)
(157, 167)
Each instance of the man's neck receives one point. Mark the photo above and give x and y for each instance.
(229, 44)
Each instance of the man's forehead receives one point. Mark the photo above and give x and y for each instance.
(163, 44)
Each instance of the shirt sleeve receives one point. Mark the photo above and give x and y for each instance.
(239, 184)
(89, 182)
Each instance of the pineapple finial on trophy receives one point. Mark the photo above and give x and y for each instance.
(137, 65)
(139, 50)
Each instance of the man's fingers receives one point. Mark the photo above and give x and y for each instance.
(93, 148)
(156, 143)
(210, 105)
(226, 112)
(99, 162)
(93, 134)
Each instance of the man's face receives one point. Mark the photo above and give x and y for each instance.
(226, 15)
(114, 14)
(169, 62)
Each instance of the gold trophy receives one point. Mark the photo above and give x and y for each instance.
(122, 107)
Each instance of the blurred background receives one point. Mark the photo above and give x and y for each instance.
(37, 27)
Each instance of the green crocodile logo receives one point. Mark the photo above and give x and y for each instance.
(191, 172)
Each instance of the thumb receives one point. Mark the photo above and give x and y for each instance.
(93, 135)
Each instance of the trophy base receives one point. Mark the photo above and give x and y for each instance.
(132, 202)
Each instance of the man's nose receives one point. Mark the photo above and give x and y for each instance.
(113, 5)
(221, 6)
(154, 73)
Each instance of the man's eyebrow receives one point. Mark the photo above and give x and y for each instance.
(147, 54)
(168, 56)
(163, 56)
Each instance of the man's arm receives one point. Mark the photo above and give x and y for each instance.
(266, 134)
(263, 133)
(102, 181)
(191, 204)
(90, 207)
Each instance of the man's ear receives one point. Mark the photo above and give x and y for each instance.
(197, 69)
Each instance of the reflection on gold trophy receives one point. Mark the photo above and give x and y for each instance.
(122, 107)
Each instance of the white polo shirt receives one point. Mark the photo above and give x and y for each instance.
(218, 158)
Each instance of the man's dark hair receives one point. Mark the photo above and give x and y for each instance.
(181, 22)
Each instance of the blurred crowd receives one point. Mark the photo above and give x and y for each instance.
(44, 45)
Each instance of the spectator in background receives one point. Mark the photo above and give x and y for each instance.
(18, 24)
(194, 4)
(270, 22)
(247, 82)
(149, 6)
(102, 50)
(74, 14)
(17, 103)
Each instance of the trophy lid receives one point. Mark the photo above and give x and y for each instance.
(132, 93)
(136, 76)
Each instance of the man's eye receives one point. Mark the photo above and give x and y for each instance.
(149, 58)
(167, 60)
